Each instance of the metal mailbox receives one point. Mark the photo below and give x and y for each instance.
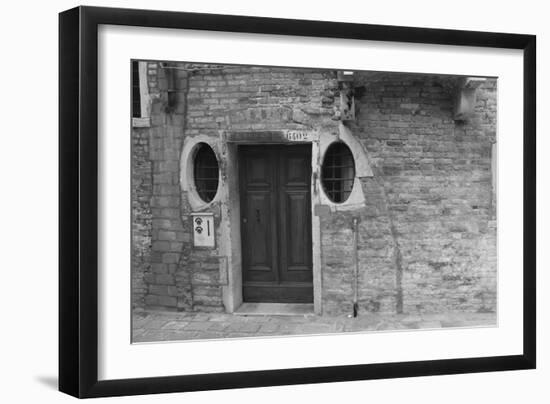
(203, 229)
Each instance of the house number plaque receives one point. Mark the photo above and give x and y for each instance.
(299, 135)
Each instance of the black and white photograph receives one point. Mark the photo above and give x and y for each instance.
(275, 202)
(271, 201)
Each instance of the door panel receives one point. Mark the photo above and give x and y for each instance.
(258, 224)
(295, 214)
(276, 231)
(257, 171)
(297, 234)
(259, 230)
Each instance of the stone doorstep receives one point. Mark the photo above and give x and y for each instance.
(275, 309)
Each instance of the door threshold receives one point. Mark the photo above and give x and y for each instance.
(275, 309)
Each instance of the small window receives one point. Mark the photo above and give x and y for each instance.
(338, 172)
(136, 95)
(206, 172)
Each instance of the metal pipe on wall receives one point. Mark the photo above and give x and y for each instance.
(356, 265)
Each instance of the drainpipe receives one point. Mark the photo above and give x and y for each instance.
(356, 266)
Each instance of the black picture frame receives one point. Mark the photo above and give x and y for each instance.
(78, 196)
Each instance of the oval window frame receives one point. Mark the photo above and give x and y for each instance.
(326, 192)
(198, 193)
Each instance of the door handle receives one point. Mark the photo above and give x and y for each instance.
(245, 220)
(258, 215)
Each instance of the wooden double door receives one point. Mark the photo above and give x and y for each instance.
(275, 189)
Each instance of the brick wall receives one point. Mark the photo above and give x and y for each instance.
(254, 98)
(142, 190)
(169, 234)
(242, 99)
(435, 174)
(427, 236)
(141, 215)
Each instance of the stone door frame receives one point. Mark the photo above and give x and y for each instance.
(231, 232)
(225, 145)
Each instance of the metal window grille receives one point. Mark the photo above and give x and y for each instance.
(206, 172)
(136, 96)
(338, 172)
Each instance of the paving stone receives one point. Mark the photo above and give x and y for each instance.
(175, 325)
(244, 327)
(182, 335)
(289, 328)
(136, 332)
(238, 335)
(430, 324)
(211, 335)
(413, 325)
(160, 335)
(218, 326)
(198, 326)
(202, 316)
(139, 322)
(256, 319)
(154, 324)
(452, 323)
(354, 327)
(218, 317)
(315, 329)
(164, 326)
(270, 327)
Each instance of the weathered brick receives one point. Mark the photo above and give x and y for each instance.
(159, 268)
(428, 202)
(168, 301)
(170, 258)
(159, 290)
(164, 279)
(167, 235)
(161, 246)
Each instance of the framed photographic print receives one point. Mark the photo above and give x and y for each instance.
(251, 201)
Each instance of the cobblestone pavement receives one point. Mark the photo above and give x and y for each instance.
(150, 326)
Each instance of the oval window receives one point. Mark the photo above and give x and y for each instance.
(206, 172)
(338, 172)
